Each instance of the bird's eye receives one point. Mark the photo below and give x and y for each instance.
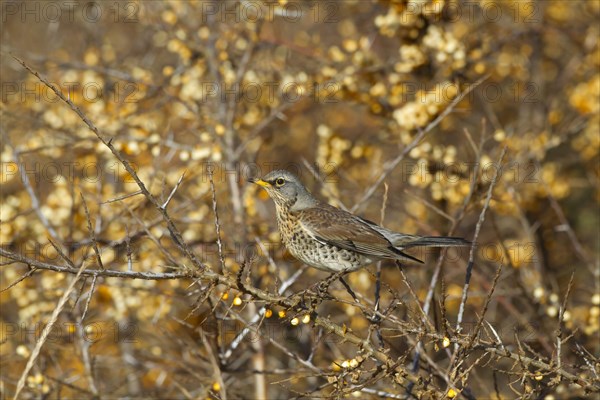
(279, 182)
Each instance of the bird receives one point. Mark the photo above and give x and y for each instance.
(334, 240)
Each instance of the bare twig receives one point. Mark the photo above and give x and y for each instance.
(240, 337)
(215, 365)
(217, 223)
(456, 220)
(424, 316)
(392, 164)
(154, 240)
(92, 272)
(84, 345)
(35, 202)
(592, 364)
(579, 250)
(319, 178)
(166, 203)
(89, 299)
(119, 198)
(429, 205)
(378, 271)
(559, 330)
(46, 331)
(130, 170)
(21, 279)
(485, 308)
(91, 232)
(488, 198)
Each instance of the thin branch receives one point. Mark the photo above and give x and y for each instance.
(317, 175)
(456, 221)
(240, 337)
(392, 164)
(218, 376)
(92, 272)
(46, 331)
(125, 196)
(89, 299)
(486, 205)
(376, 320)
(579, 250)
(429, 205)
(84, 345)
(217, 223)
(485, 307)
(21, 279)
(35, 202)
(91, 232)
(130, 170)
(561, 314)
(166, 203)
(424, 317)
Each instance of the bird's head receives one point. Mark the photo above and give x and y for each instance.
(286, 190)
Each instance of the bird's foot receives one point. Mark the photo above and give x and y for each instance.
(374, 318)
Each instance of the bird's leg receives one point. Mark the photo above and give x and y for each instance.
(376, 317)
(373, 318)
(306, 302)
(323, 286)
(311, 297)
(349, 289)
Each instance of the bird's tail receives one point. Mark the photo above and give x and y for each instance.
(436, 241)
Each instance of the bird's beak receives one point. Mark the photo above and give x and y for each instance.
(260, 182)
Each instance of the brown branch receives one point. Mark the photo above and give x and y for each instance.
(108, 143)
(217, 223)
(579, 250)
(92, 272)
(47, 330)
(486, 205)
(91, 232)
(20, 279)
(392, 164)
(559, 333)
(35, 202)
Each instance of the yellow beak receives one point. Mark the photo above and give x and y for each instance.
(260, 182)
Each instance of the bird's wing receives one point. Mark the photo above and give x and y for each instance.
(333, 226)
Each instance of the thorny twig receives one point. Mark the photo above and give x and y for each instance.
(392, 164)
(388, 363)
(47, 330)
(217, 222)
(328, 325)
(488, 198)
(35, 202)
(130, 170)
(559, 330)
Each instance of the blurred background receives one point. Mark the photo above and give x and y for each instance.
(399, 109)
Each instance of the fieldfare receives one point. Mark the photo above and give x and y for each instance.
(334, 240)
